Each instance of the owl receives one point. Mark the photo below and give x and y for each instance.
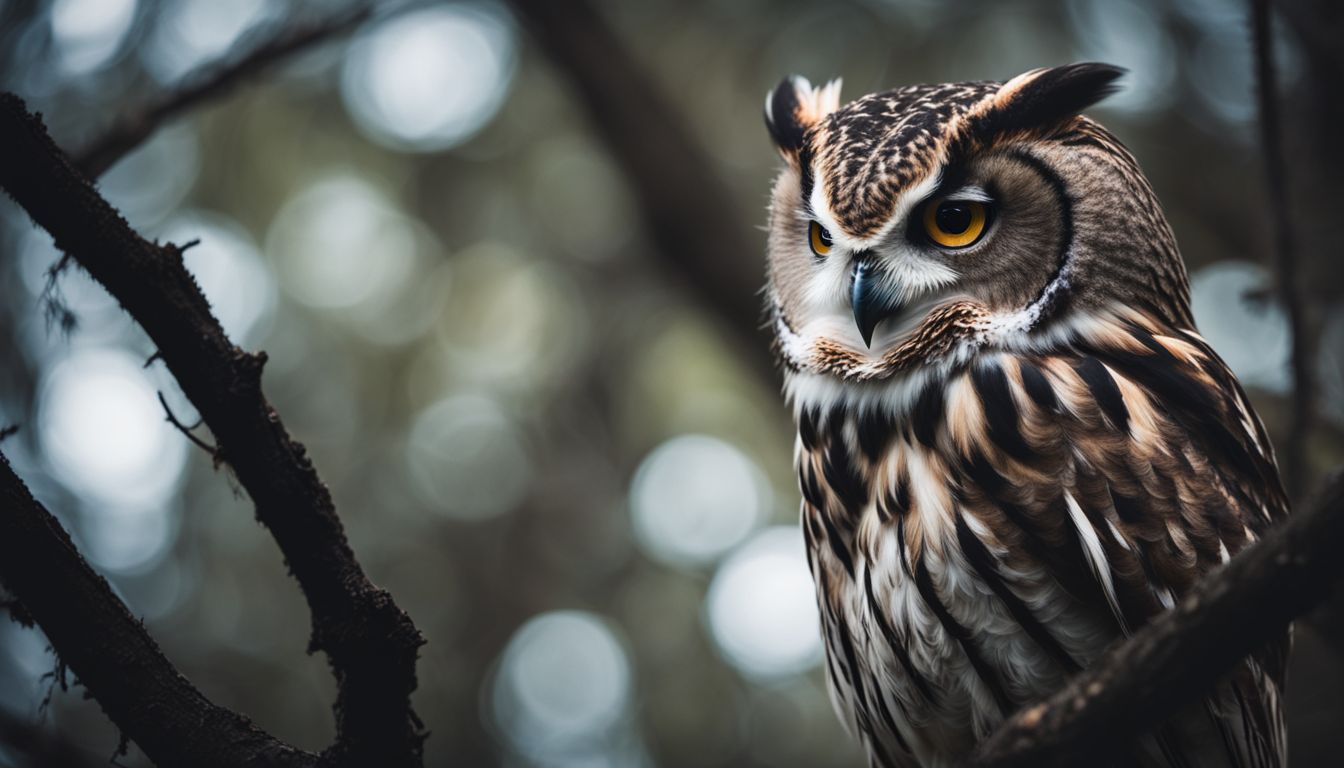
(1013, 446)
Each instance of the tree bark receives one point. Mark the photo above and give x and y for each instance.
(113, 655)
(371, 644)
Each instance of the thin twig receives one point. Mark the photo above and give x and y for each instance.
(53, 304)
(1291, 296)
(184, 247)
(134, 126)
(372, 644)
(59, 677)
(1182, 654)
(184, 429)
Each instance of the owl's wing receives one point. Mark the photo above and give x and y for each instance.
(1131, 469)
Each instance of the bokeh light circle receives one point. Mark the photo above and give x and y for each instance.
(89, 32)
(103, 431)
(341, 245)
(510, 320)
(190, 33)
(1132, 35)
(336, 241)
(127, 540)
(467, 459)
(1252, 338)
(150, 181)
(430, 79)
(693, 498)
(762, 608)
(564, 683)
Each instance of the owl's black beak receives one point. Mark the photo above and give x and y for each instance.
(871, 298)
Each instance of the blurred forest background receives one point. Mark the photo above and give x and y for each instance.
(542, 439)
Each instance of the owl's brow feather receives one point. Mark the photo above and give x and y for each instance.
(874, 149)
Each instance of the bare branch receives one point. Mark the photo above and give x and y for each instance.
(371, 644)
(212, 81)
(1182, 654)
(1287, 286)
(701, 238)
(115, 658)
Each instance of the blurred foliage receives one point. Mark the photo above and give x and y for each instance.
(467, 331)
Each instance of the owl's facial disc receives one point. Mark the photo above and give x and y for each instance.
(918, 225)
(884, 288)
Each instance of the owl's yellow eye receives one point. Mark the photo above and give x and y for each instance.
(819, 238)
(955, 223)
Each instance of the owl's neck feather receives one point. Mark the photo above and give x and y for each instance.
(819, 375)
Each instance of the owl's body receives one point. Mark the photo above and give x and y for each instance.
(1013, 447)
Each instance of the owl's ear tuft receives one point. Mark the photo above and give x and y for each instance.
(1043, 97)
(793, 107)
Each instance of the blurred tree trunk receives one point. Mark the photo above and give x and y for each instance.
(703, 241)
(1313, 113)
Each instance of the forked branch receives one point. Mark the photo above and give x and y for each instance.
(371, 644)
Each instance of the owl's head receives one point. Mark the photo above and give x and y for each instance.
(921, 224)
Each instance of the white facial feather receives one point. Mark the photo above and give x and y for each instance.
(909, 272)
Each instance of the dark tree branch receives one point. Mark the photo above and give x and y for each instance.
(371, 644)
(134, 126)
(1182, 654)
(1295, 469)
(115, 658)
(701, 238)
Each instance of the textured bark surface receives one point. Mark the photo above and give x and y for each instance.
(1183, 653)
(371, 644)
(112, 654)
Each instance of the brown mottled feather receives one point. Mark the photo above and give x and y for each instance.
(1039, 454)
(1122, 431)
